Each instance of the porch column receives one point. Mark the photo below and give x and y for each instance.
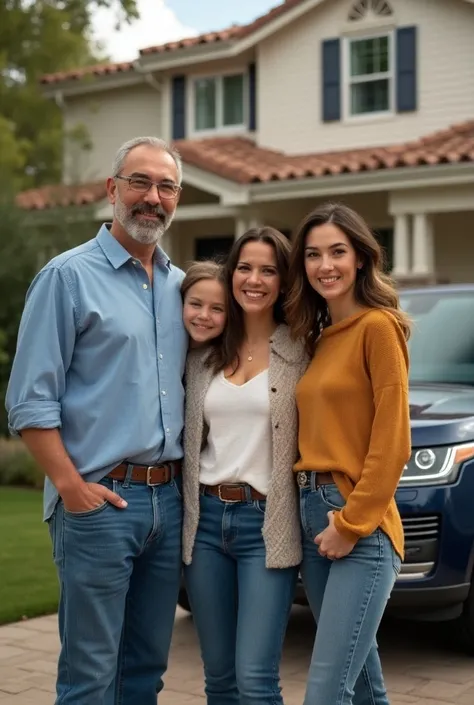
(241, 226)
(166, 243)
(255, 223)
(423, 245)
(401, 246)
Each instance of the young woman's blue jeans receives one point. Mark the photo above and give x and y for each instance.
(347, 598)
(240, 607)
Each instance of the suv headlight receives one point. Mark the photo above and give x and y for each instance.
(436, 466)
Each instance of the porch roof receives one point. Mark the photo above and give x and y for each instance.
(242, 162)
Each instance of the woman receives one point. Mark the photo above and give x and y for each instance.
(241, 536)
(204, 302)
(354, 440)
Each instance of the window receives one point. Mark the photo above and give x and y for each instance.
(369, 75)
(219, 102)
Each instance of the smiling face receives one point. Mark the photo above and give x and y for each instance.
(145, 217)
(331, 263)
(256, 281)
(204, 310)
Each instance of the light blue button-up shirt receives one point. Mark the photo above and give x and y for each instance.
(101, 355)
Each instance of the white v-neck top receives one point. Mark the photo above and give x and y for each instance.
(239, 442)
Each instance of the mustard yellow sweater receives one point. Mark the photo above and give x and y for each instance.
(354, 419)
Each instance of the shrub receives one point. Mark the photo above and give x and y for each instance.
(17, 466)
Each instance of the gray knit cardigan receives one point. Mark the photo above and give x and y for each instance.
(281, 528)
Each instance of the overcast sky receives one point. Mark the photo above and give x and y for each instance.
(167, 20)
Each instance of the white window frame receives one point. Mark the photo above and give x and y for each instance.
(220, 128)
(349, 80)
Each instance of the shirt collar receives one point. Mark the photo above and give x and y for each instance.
(118, 255)
(111, 247)
(162, 258)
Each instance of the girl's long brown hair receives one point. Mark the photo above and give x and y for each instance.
(227, 353)
(203, 269)
(306, 310)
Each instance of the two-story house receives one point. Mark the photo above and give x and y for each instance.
(366, 101)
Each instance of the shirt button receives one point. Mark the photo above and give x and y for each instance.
(145, 286)
(134, 261)
(160, 356)
(164, 392)
(167, 430)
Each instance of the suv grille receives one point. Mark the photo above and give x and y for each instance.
(421, 528)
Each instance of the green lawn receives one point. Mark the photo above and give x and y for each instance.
(28, 582)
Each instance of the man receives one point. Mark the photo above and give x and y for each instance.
(96, 394)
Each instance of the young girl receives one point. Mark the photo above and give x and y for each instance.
(204, 302)
(241, 535)
(354, 440)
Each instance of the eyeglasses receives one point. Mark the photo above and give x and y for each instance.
(143, 185)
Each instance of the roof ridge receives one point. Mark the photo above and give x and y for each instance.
(234, 31)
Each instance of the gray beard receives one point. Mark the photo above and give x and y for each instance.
(144, 233)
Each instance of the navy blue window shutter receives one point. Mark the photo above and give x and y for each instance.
(178, 107)
(406, 87)
(252, 97)
(331, 80)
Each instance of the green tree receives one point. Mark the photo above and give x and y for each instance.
(39, 37)
(27, 242)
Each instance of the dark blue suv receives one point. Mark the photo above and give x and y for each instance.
(436, 492)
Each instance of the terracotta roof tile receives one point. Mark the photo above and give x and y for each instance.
(62, 196)
(228, 34)
(233, 32)
(98, 70)
(242, 161)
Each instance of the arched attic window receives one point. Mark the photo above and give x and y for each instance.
(363, 9)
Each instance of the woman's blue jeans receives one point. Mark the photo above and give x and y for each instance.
(240, 607)
(347, 598)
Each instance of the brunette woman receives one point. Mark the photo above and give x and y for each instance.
(241, 536)
(354, 440)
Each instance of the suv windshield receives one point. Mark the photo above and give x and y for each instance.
(442, 340)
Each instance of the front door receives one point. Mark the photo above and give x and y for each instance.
(216, 248)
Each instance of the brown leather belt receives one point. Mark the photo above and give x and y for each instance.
(149, 474)
(231, 492)
(303, 478)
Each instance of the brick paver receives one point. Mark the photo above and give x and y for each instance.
(419, 668)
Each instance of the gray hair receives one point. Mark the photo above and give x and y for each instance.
(127, 147)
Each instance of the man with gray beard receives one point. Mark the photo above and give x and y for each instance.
(96, 394)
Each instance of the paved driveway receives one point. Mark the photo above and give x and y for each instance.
(419, 668)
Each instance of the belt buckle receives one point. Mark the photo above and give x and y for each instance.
(302, 479)
(148, 476)
(228, 484)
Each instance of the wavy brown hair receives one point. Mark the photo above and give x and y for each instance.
(227, 353)
(307, 311)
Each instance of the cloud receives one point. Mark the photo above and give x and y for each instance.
(157, 24)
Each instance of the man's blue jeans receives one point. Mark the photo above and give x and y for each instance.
(347, 598)
(240, 607)
(119, 573)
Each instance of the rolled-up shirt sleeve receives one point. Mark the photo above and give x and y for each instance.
(45, 346)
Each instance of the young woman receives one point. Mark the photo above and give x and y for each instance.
(354, 440)
(204, 302)
(241, 535)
